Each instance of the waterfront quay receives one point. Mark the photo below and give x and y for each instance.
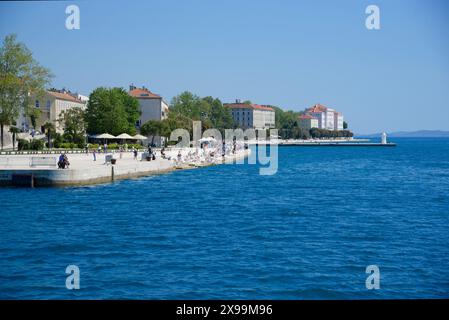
(34, 170)
(323, 143)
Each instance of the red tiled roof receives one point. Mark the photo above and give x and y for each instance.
(143, 94)
(317, 108)
(64, 96)
(306, 116)
(247, 106)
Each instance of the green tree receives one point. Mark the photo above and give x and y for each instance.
(14, 131)
(286, 122)
(132, 111)
(20, 75)
(345, 125)
(50, 131)
(33, 114)
(155, 128)
(210, 111)
(74, 124)
(112, 111)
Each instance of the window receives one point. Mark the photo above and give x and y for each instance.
(37, 103)
(48, 104)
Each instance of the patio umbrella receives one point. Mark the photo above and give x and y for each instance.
(124, 136)
(139, 137)
(105, 136)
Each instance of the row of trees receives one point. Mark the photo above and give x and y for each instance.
(323, 133)
(288, 127)
(113, 110)
(186, 108)
(110, 110)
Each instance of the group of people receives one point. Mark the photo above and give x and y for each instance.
(63, 162)
(210, 152)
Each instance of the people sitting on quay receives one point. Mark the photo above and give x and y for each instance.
(63, 162)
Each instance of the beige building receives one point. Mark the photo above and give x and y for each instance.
(51, 105)
(307, 122)
(252, 116)
(152, 106)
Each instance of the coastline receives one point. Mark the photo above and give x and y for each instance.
(84, 171)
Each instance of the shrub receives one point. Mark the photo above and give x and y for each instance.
(68, 145)
(135, 145)
(23, 145)
(37, 144)
(57, 140)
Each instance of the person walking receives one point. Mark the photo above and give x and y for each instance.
(94, 153)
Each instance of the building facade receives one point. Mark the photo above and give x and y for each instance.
(338, 121)
(252, 116)
(51, 106)
(327, 118)
(152, 106)
(307, 122)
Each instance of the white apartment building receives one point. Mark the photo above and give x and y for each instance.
(307, 122)
(252, 116)
(327, 118)
(51, 105)
(338, 121)
(152, 106)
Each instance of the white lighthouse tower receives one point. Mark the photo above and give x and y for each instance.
(384, 138)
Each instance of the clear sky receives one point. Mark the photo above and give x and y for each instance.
(292, 54)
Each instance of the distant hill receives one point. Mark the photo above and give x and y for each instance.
(411, 134)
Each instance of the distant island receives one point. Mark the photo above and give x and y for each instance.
(410, 134)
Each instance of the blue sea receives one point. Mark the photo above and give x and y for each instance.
(226, 232)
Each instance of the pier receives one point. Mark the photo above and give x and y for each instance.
(37, 170)
(337, 144)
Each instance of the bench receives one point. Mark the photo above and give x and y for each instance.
(43, 162)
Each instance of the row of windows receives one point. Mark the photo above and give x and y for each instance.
(37, 104)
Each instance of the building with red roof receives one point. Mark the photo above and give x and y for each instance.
(51, 105)
(252, 116)
(152, 105)
(307, 122)
(327, 118)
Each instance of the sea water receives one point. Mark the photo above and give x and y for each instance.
(226, 232)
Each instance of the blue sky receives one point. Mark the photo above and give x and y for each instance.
(292, 54)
